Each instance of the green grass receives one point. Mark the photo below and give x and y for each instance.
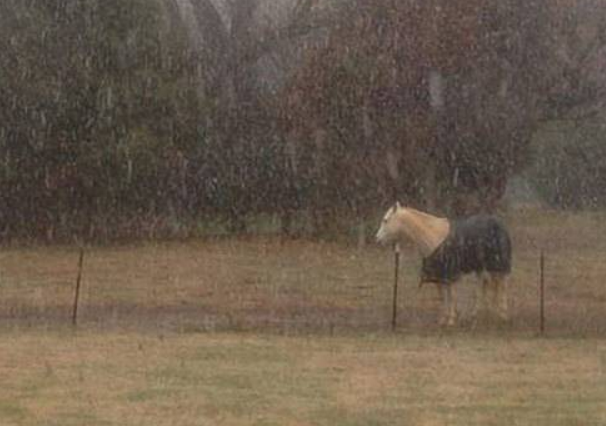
(243, 379)
(260, 331)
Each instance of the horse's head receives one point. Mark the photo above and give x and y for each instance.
(389, 231)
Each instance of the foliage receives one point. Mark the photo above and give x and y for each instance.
(86, 101)
(570, 169)
(140, 117)
(370, 89)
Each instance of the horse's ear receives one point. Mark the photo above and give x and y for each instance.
(398, 206)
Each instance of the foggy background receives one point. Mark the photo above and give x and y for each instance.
(161, 118)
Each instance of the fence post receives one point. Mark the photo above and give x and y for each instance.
(394, 312)
(77, 291)
(542, 293)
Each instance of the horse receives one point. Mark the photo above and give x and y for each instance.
(477, 244)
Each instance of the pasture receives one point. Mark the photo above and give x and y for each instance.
(263, 331)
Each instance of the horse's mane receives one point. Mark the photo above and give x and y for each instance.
(423, 214)
(427, 230)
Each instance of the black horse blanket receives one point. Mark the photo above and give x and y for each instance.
(474, 244)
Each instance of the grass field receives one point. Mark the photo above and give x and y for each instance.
(96, 378)
(261, 331)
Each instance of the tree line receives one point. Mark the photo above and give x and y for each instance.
(148, 117)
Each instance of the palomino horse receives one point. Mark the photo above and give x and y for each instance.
(451, 248)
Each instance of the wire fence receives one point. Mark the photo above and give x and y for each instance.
(278, 285)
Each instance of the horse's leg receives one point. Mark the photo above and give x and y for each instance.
(444, 303)
(491, 291)
(479, 303)
(452, 304)
(501, 288)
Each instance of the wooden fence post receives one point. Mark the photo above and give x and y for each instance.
(394, 313)
(542, 293)
(77, 291)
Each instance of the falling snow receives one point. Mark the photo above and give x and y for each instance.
(164, 114)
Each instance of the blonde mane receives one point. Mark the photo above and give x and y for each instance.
(427, 231)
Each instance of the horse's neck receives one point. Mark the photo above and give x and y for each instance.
(427, 231)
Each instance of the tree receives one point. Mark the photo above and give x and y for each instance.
(570, 168)
(91, 125)
(435, 101)
(246, 148)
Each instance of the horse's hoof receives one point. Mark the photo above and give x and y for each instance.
(503, 316)
(448, 321)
